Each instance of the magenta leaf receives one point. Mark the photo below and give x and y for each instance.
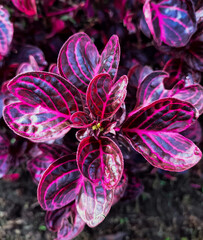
(65, 221)
(81, 120)
(40, 163)
(59, 184)
(53, 68)
(48, 101)
(6, 32)
(120, 189)
(28, 67)
(79, 60)
(93, 202)
(72, 225)
(178, 70)
(194, 133)
(153, 88)
(171, 22)
(100, 160)
(26, 6)
(153, 131)
(105, 98)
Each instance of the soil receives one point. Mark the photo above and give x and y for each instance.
(169, 208)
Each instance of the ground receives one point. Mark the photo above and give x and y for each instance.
(168, 209)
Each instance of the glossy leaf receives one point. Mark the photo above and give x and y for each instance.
(153, 88)
(81, 120)
(178, 70)
(100, 160)
(93, 202)
(105, 98)
(79, 60)
(26, 6)
(65, 221)
(120, 188)
(49, 154)
(59, 184)
(6, 32)
(28, 67)
(171, 22)
(72, 225)
(194, 133)
(153, 131)
(48, 101)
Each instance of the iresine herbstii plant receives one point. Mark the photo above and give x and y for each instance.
(85, 94)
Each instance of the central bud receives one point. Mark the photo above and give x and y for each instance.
(97, 127)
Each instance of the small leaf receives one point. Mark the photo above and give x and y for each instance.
(93, 202)
(171, 22)
(59, 184)
(81, 120)
(100, 160)
(153, 131)
(6, 33)
(105, 98)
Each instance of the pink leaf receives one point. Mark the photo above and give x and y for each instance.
(59, 184)
(65, 221)
(81, 120)
(153, 131)
(26, 6)
(171, 22)
(6, 32)
(93, 202)
(105, 98)
(100, 160)
(79, 60)
(48, 101)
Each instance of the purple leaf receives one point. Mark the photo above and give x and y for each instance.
(79, 60)
(153, 131)
(120, 189)
(40, 163)
(53, 68)
(93, 202)
(100, 160)
(48, 101)
(171, 22)
(26, 6)
(152, 88)
(6, 33)
(72, 225)
(178, 70)
(194, 133)
(66, 221)
(81, 120)
(105, 98)
(59, 184)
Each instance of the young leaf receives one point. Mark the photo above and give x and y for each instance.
(6, 33)
(48, 101)
(105, 98)
(81, 120)
(171, 22)
(100, 160)
(79, 60)
(153, 131)
(26, 6)
(59, 184)
(93, 202)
